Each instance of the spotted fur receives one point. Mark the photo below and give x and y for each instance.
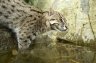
(27, 21)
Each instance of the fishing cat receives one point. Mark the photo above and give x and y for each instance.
(28, 21)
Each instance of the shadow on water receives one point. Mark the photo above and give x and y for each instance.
(45, 51)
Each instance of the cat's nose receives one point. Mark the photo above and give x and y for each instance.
(63, 28)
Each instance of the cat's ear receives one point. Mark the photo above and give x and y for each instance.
(62, 17)
(51, 11)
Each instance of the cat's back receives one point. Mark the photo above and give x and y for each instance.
(14, 11)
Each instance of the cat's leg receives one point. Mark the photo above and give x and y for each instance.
(24, 39)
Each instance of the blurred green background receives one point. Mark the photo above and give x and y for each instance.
(77, 45)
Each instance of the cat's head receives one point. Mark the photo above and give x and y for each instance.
(55, 20)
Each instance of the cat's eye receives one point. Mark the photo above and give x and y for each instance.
(53, 22)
